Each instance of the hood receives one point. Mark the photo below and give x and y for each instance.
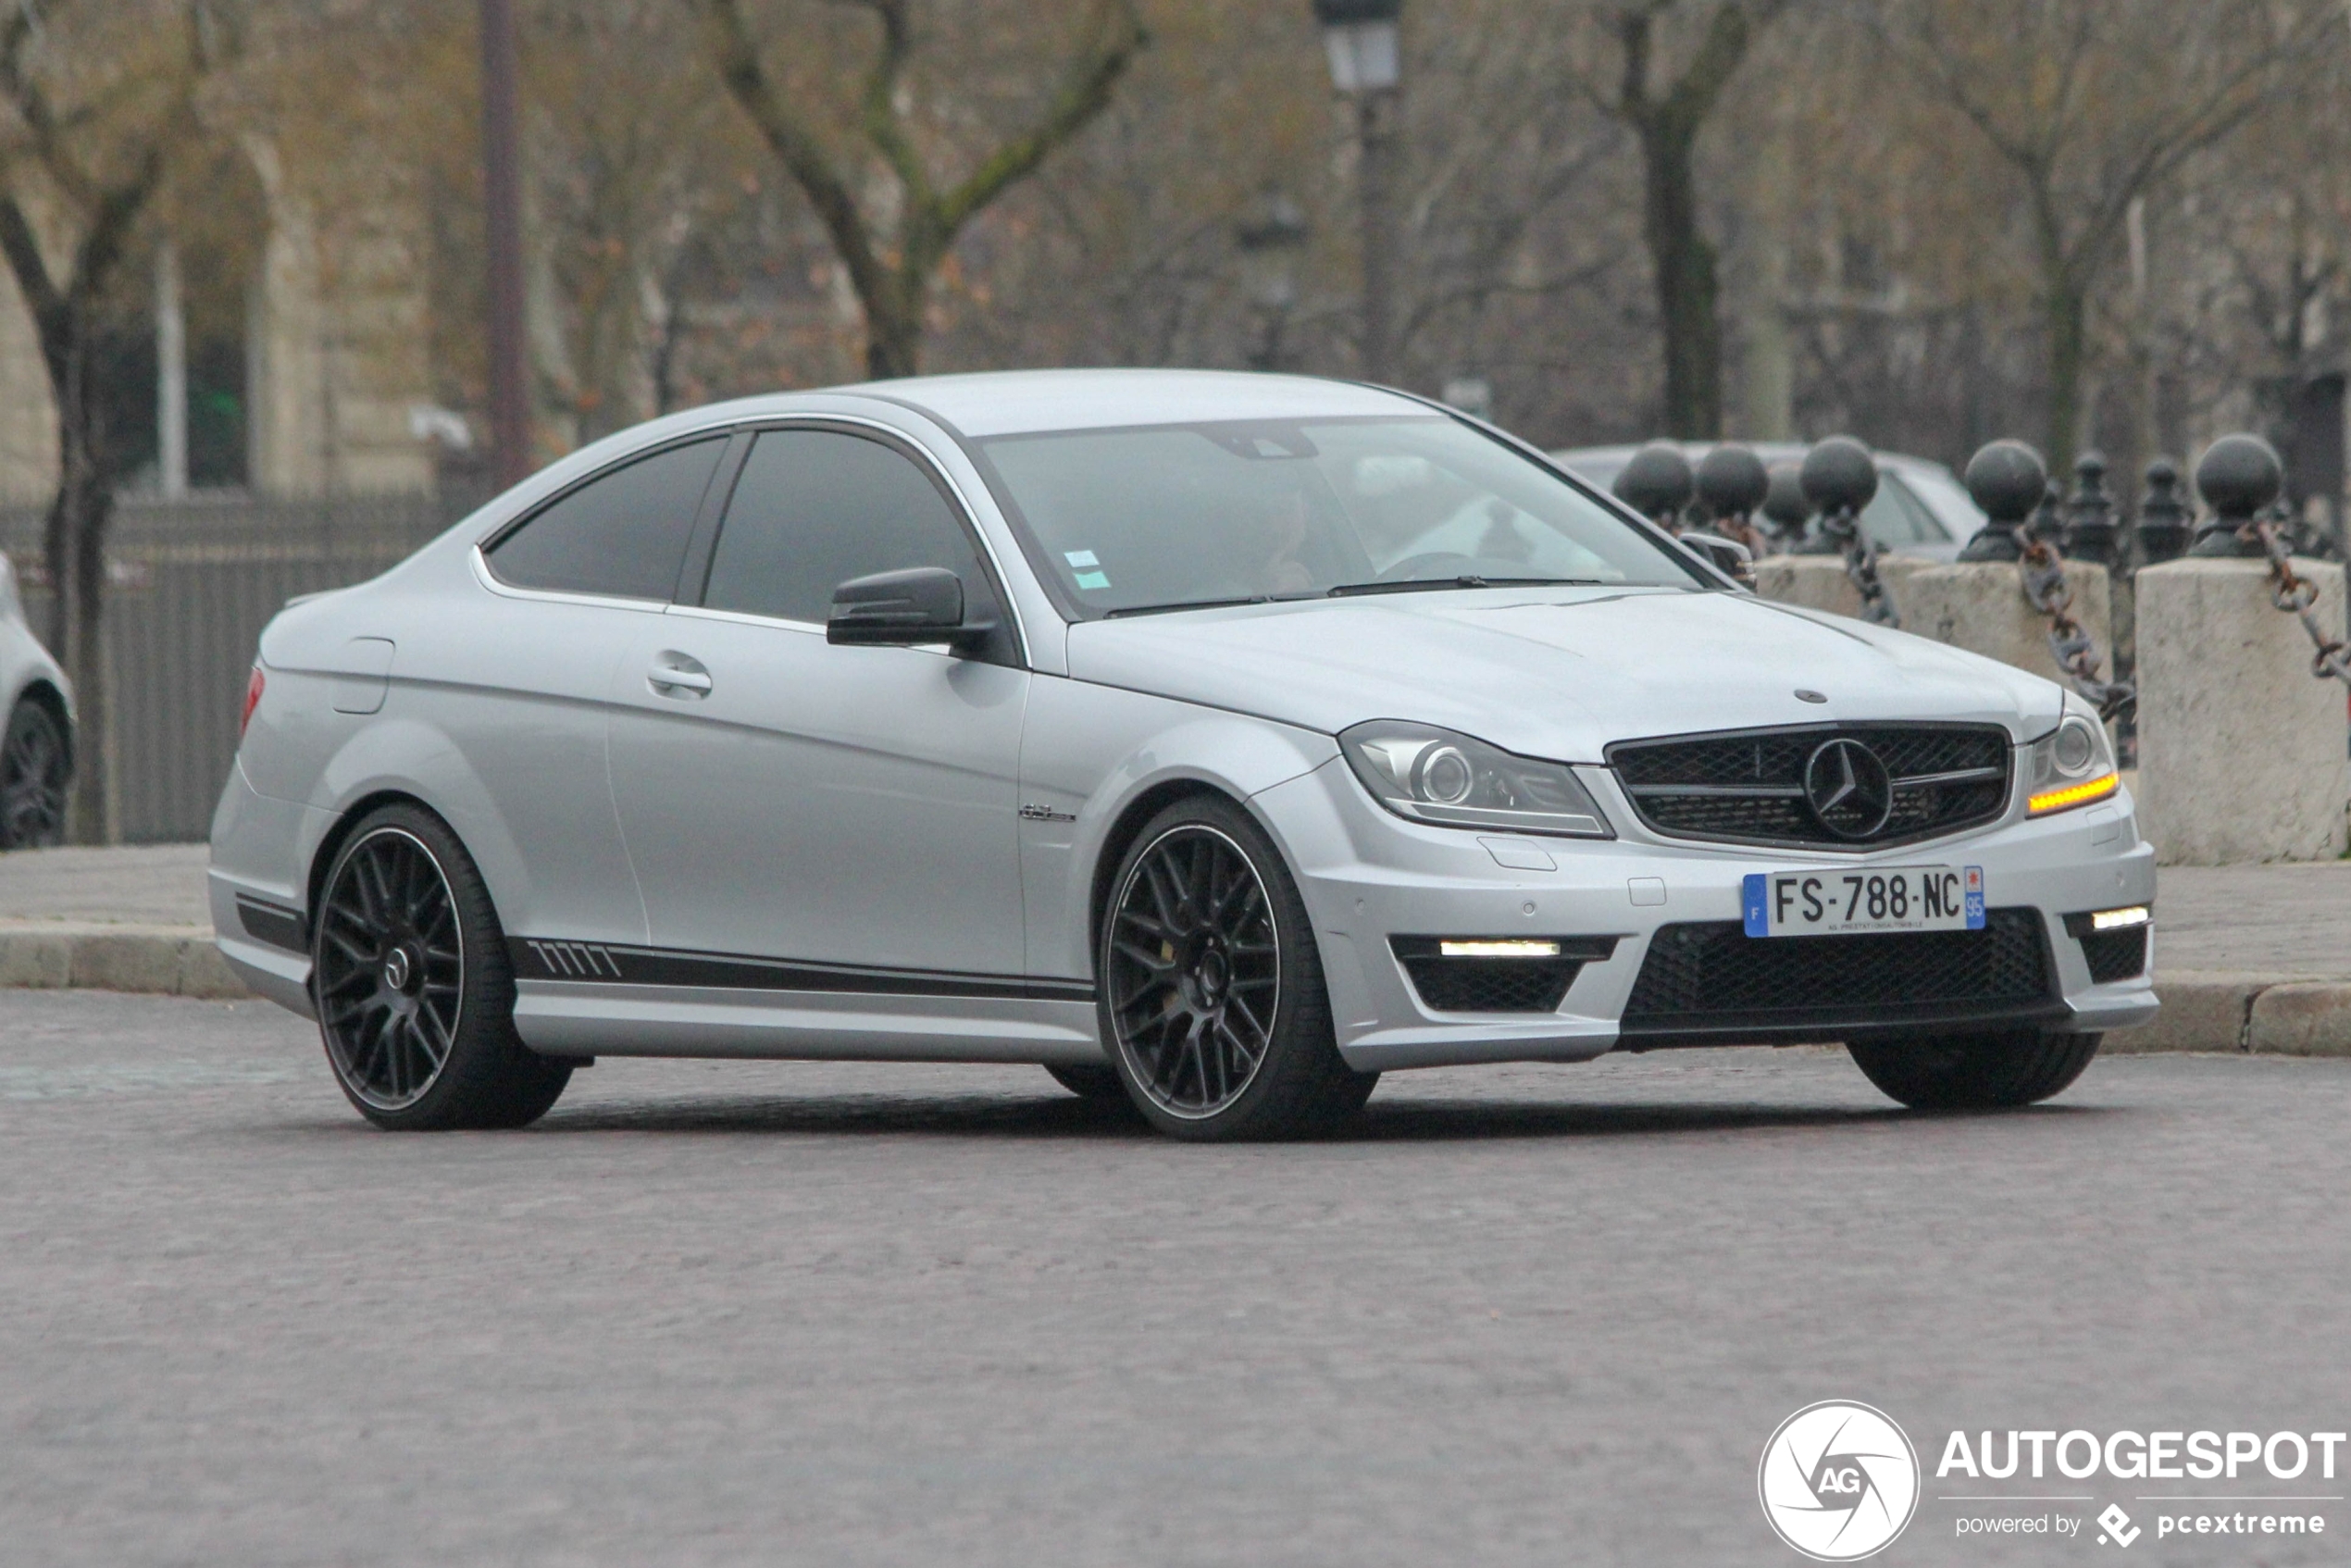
(1557, 673)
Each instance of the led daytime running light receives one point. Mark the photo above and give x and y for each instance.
(1498, 950)
(2075, 794)
(2119, 919)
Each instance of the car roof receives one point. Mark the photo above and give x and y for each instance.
(1022, 402)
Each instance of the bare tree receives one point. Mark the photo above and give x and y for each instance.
(2091, 103)
(1665, 118)
(892, 272)
(102, 96)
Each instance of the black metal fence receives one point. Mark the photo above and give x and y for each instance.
(190, 586)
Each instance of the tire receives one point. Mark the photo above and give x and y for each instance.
(36, 767)
(1975, 1072)
(1101, 1084)
(414, 993)
(1212, 993)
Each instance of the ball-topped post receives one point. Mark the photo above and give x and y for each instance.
(1839, 477)
(2237, 475)
(1783, 503)
(2007, 480)
(2163, 515)
(1732, 482)
(1657, 483)
(2089, 514)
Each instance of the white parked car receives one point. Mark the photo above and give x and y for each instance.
(36, 749)
(1920, 508)
(1218, 741)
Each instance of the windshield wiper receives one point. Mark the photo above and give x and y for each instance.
(1419, 585)
(1206, 605)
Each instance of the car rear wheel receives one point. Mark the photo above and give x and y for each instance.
(414, 993)
(1975, 1072)
(36, 767)
(1212, 995)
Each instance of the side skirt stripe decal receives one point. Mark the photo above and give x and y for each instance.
(537, 958)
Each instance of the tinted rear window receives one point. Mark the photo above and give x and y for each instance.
(622, 533)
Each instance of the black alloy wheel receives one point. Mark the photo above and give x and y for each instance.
(1212, 990)
(414, 989)
(35, 767)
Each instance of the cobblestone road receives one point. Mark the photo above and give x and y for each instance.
(845, 1314)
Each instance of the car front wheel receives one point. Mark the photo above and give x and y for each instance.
(1975, 1072)
(34, 769)
(1213, 997)
(414, 993)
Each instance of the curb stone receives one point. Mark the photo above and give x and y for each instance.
(2303, 1018)
(2203, 1010)
(160, 960)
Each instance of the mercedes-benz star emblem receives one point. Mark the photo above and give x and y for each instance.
(1848, 788)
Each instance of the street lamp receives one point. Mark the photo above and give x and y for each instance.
(1269, 237)
(501, 201)
(1362, 38)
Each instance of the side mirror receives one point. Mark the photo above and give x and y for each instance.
(1725, 556)
(899, 609)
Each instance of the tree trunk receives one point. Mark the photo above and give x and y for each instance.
(76, 549)
(2065, 314)
(1376, 145)
(1684, 263)
(894, 325)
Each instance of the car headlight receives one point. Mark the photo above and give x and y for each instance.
(1435, 776)
(2071, 765)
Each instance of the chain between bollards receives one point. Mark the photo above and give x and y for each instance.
(1862, 553)
(2295, 595)
(2047, 592)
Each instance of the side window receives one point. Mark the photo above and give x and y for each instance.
(815, 508)
(623, 534)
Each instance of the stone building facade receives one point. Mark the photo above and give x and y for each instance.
(337, 387)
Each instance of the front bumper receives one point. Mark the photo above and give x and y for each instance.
(1367, 876)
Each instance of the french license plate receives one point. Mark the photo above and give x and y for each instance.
(1883, 898)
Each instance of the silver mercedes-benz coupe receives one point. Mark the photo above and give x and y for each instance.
(1217, 741)
(36, 730)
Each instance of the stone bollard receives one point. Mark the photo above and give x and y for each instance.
(2242, 754)
(1981, 606)
(1819, 582)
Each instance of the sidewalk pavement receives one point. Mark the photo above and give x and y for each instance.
(2246, 957)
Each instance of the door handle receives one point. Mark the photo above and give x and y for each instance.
(675, 675)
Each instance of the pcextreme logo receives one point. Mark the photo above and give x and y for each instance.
(1839, 1481)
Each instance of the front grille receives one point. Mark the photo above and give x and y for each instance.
(1748, 786)
(2115, 955)
(1496, 985)
(1710, 974)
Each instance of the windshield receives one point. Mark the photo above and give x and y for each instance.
(1178, 515)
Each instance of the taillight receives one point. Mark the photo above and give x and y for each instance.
(253, 701)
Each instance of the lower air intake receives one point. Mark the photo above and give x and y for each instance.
(2116, 955)
(1710, 976)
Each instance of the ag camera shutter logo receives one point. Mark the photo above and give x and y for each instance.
(1839, 1481)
